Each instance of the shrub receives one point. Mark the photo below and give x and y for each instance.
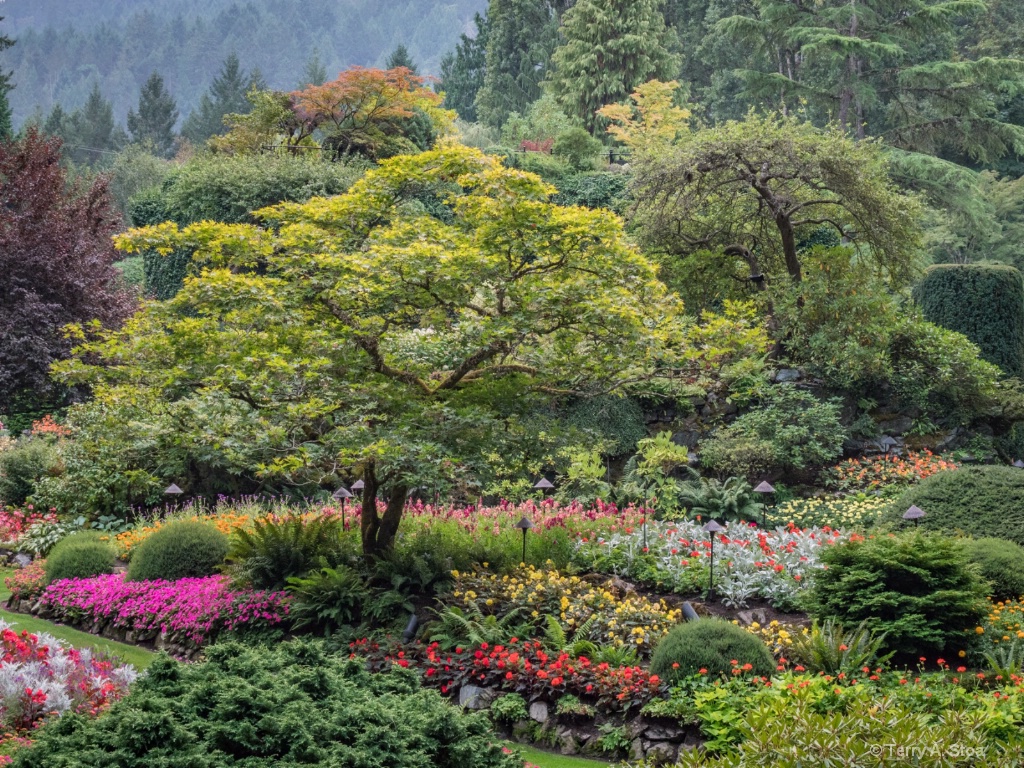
(327, 599)
(984, 302)
(709, 644)
(28, 461)
(27, 583)
(509, 708)
(919, 589)
(278, 549)
(80, 556)
(1001, 564)
(598, 189)
(177, 551)
(578, 148)
(289, 705)
(981, 501)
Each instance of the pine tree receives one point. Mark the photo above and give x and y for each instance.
(462, 71)
(6, 124)
(91, 135)
(314, 72)
(400, 57)
(154, 122)
(521, 38)
(225, 97)
(610, 47)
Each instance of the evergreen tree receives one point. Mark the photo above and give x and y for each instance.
(91, 135)
(522, 36)
(610, 47)
(225, 97)
(400, 57)
(154, 122)
(462, 71)
(314, 72)
(6, 125)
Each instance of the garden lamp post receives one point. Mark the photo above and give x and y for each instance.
(524, 525)
(358, 486)
(343, 494)
(1019, 464)
(712, 528)
(172, 492)
(543, 485)
(887, 444)
(915, 513)
(765, 488)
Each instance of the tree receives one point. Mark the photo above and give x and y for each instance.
(6, 123)
(400, 57)
(522, 35)
(609, 48)
(362, 332)
(154, 123)
(314, 72)
(462, 71)
(227, 95)
(754, 188)
(56, 257)
(90, 135)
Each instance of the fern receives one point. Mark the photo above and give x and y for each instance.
(278, 549)
(579, 644)
(469, 627)
(830, 649)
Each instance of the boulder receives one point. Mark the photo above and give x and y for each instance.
(785, 375)
(568, 744)
(661, 752)
(475, 697)
(539, 711)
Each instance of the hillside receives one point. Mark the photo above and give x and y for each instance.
(119, 43)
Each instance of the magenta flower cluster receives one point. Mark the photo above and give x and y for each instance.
(190, 610)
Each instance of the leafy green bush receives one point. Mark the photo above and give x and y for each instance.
(179, 550)
(711, 644)
(982, 501)
(509, 708)
(80, 556)
(598, 189)
(919, 589)
(791, 429)
(22, 466)
(276, 550)
(286, 706)
(984, 302)
(327, 599)
(619, 421)
(733, 500)
(832, 649)
(1001, 563)
(578, 148)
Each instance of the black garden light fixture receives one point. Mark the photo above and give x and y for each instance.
(888, 444)
(358, 486)
(712, 528)
(173, 490)
(915, 513)
(524, 525)
(764, 488)
(543, 484)
(343, 494)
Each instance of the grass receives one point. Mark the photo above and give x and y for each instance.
(138, 657)
(552, 760)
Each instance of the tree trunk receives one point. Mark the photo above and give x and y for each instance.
(788, 233)
(392, 517)
(378, 531)
(370, 523)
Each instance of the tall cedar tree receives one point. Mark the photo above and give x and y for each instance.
(523, 34)
(56, 258)
(314, 72)
(227, 96)
(400, 57)
(462, 71)
(609, 48)
(6, 126)
(90, 135)
(154, 123)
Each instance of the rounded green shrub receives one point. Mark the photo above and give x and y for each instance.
(711, 644)
(1001, 564)
(177, 551)
(80, 556)
(980, 501)
(984, 302)
(920, 589)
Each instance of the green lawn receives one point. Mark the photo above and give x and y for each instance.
(551, 760)
(139, 657)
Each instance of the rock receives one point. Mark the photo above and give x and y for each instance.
(635, 727)
(475, 697)
(665, 733)
(661, 752)
(897, 424)
(747, 618)
(539, 711)
(523, 730)
(636, 749)
(161, 642)
(689, 438)
(21, 560)
(785, 375)
(567, 742)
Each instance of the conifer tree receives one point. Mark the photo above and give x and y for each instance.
(6, 125)
(90, 134)
(400, 57)
(610, 47)
(314, 73)
(154, 122)
(462, 71)
(225, 97)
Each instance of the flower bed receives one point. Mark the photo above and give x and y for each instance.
(188, 612)
(856, 513)
(15, 522)
(521, 667)
(27, 583)
(879, 472)
(749, 563)
(41, 678)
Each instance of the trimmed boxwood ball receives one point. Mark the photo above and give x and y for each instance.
(80, 556)
(979, 501)
(711, 644)
(178, 551)
(1002, 565)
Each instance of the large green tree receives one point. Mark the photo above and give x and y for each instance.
(609, 48)
(154, 123)
(91, 135)
(362, 332)
(462, 71)
(227, 96)
(6, 126)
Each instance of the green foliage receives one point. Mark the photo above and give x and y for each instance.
(29, 460)
(791, 430)
(179, 550)
(733, 500)
(153, 125)
(617, 421)
(578, 148)
(711, 644)
(276, 550)
(456, 627)
(43, 536)
(571, 706)
(600, 189)
(831, 649)
(654, 473)
(133, 272)
(225, 96)
(462, 70)
(288, 705)
(544, 121)
(981, 501)
(984, 302)
(80, 556)
(556, 638)
(918, 589)
(509, 708)
(327, 599)
(585, 479)
(1001, 563)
